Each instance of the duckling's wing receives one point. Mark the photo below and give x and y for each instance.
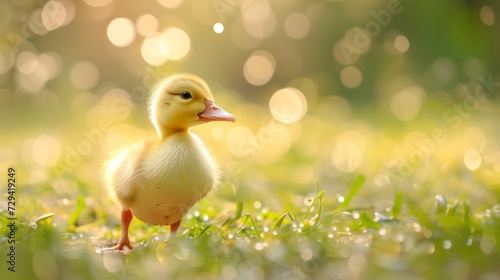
(123, 171)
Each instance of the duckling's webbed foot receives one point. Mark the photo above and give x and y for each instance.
(124, 242)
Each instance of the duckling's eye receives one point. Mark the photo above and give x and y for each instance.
(186, 95)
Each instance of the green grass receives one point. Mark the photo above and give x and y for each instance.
(318, 238)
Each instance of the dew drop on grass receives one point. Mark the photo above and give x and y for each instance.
(401, 238)
(340, 198)
(259, 246)
(431, 248)
(417, 227)
(355, 215)
(447, 244)
(308, 201)
(469, 241)
(257, 204)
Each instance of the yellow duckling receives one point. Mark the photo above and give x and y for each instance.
(159, 179)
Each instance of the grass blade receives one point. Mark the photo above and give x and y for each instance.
(398, 199)
(356, 185)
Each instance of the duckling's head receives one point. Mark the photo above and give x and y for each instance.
(181, 101)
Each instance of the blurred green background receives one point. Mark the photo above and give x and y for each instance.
(404, 93)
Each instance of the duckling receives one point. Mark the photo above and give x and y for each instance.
(159, 179)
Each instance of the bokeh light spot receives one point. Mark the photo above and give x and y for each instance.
(346, 157)
(406, 104)
(259, 20)
(472, 159)
(146, 24)
(178, 43)
(496, 161)
(84, 75)
(297, 25)
(388, 152)
(487, 15)
(44, 265)
(259, 68)
(112, 261)
(7, 157)
(218, 28)
(97, 3)
(26, 62)
(401, 43)
(170, 4)
(351, 77)
(46, 150)
(241, 141)
(154, 49)
(53, 15)
(288, 105)
(121, 32)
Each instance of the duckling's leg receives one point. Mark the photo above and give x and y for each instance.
(126, 219)
(124, 241)
(174, 227)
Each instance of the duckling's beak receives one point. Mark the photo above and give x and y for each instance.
(213, 112)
